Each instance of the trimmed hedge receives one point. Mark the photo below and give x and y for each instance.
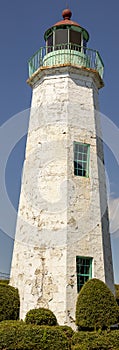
(41, 316)
(95, 340)
(9, 302)
(4, 281)
(117, 293)
(88, 340)
(68, 331)
(96, 306)
(20, 336)
(17, 335)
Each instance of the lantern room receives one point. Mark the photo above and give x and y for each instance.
(66, 34)
(66, 44)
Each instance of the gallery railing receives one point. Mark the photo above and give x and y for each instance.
(66, 54)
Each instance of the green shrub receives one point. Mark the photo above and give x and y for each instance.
(9, 302)
(88, 340)
(95, 340)
(79, 347)
(20, 336)
(67, 330)
(96, 306)
(41, 316)
(117, 293)
(4, 281)
(113, 339)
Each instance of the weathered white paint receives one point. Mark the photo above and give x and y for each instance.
(60, 214)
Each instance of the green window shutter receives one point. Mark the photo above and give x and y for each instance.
(81, 159)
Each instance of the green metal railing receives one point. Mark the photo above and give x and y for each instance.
(65, 54)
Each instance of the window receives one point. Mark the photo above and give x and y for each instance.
(81, 159)
(75, 39)
(61, 37)
(50, 42)
(84, 270)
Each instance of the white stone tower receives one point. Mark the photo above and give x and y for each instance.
(62, 234)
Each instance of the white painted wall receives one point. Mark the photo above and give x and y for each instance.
(60, 214)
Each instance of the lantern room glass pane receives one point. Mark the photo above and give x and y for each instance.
(50, 43)
(50, 40)
(61, 36)
(75, 38)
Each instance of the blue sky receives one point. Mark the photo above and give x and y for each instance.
(22, 26)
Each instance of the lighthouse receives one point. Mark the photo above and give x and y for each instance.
(62, 233)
